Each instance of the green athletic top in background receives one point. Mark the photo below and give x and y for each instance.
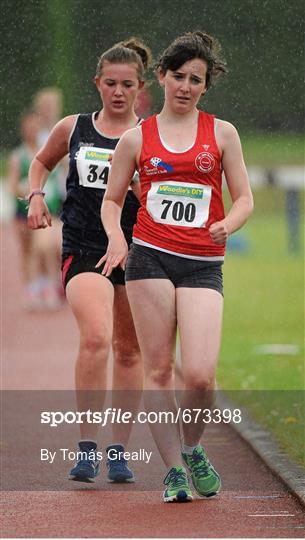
(53, 195)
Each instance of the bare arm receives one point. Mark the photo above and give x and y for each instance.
(237, 181)
(122, 169)
(45, 160)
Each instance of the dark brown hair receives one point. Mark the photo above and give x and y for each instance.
(194, 45)
(130, 51)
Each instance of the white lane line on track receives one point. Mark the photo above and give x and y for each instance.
(271, 515)
(282, 512)
(258, 497)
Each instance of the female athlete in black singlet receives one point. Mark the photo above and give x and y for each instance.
(99, 304)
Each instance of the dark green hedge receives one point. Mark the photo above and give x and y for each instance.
(57, 42)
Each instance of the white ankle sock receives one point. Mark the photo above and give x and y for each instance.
(188, 449)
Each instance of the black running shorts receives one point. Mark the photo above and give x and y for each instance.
(72, 265)
(148, 263)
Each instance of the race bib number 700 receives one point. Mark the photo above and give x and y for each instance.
(179, 203)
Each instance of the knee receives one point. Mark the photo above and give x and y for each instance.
(126, 354)
(95, 342)
(128, 359)
(93, 355)
(199, 381)
(159, 376)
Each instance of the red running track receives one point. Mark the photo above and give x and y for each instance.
(38, 352)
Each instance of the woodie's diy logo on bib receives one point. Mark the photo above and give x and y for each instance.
(98, 156)
(196, 193)
(179, 203)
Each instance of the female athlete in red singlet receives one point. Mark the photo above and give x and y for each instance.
(174, 269)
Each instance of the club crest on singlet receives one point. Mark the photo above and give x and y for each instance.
(205, 162)
(158, 166)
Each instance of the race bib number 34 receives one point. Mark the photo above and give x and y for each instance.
(179, 203)
(93, 166)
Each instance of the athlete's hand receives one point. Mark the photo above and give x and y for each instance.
(219, 232)
(39, 216)
(115, 255)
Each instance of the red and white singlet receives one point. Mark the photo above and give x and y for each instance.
(181, 193)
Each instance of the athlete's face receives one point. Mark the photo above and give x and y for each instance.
(184, 86)
(118, 86)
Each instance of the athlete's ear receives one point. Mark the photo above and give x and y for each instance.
(160, 77)
(96, 81)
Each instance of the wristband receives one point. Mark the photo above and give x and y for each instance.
(35, 192)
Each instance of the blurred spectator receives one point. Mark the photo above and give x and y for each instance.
(39, 291)
(144, 103)
(48, 104)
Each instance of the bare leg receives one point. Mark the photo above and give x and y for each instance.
(29, 266)
(91, 299)
(199, 320)
(25, 238)
(46, 245)
(153, 307)
(127, 367)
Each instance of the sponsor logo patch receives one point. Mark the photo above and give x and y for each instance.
(193, 193)
(98, 156)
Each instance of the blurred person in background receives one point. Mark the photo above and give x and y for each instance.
(48, 104)
(36, 295)
(144, 103)
(99, 304)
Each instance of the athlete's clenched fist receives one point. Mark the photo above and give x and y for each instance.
(219, 232)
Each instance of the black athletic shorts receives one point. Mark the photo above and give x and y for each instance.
(78, 264)
(148, 263)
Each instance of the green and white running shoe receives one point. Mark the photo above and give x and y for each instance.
(178, 488)
(206, 480)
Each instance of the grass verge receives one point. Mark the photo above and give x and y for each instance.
(264, 305)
